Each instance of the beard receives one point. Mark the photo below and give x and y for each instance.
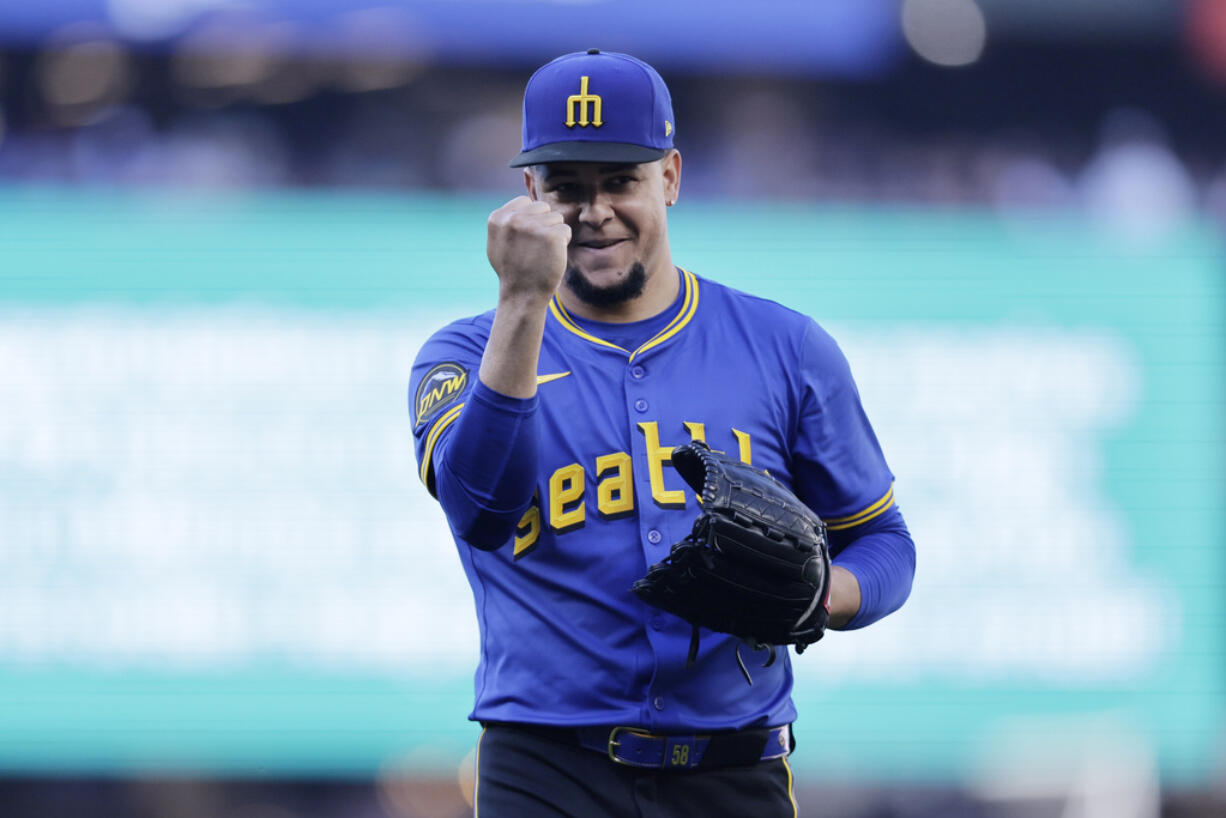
(627, 289)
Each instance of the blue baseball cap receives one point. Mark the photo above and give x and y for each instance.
(596, 106)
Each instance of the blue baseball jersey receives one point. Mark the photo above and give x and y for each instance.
(564, 641)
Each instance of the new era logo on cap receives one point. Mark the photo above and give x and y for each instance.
(596, 106)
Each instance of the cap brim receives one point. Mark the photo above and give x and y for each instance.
(613, 152)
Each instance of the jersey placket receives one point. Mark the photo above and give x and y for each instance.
(652, 530)
(643, 396)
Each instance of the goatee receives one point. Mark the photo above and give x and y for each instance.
(628, 288)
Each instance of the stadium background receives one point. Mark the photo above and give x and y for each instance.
(226, 227)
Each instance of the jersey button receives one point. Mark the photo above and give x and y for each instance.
(640, 405)
(654, 537)
(658, 702)
(657, 623)
(637, 372)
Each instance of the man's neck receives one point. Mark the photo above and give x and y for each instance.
(658, 293)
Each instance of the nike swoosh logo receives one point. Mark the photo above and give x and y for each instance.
(547, 378)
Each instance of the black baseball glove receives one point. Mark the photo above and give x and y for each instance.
(755, 565)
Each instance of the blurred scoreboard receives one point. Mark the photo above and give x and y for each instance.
(215, 554)
(835, 37)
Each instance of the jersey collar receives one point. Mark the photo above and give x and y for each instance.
(689, 304)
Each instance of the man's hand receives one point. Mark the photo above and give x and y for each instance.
(527, 245)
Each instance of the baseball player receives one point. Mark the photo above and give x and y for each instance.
(545, 428)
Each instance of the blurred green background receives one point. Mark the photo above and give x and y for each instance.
(218, 557)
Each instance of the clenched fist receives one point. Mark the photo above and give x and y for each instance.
(527, 245)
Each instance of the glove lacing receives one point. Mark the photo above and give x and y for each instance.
(755, 645)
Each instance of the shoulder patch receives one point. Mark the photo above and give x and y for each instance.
(442, 386)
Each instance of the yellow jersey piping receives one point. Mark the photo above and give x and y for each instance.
(432, 438)
(560, 313)
(879, 507)
(689, 304)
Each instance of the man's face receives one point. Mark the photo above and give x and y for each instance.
(617, 222)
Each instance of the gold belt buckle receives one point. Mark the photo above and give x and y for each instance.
(613, 743)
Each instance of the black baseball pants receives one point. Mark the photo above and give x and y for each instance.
(522, 774)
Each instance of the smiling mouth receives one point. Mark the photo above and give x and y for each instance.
(598, 244)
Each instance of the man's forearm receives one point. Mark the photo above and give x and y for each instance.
(514, 347)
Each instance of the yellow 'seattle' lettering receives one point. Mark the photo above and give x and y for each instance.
(657, 456)
(615, 493)
(583, 99)
(745, 452)
(614, 480)
(565, 488)
(528, 530)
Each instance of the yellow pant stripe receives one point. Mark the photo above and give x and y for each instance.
(791, 791)
(477, 773)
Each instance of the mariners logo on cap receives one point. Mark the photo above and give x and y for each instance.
(581, 101)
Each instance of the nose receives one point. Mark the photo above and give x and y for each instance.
(595, 210)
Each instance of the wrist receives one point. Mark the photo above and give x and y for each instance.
(844, 596)
(520, 299)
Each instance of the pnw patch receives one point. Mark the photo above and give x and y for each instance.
(442, 386)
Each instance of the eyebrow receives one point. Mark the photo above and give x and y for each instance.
(603, 169)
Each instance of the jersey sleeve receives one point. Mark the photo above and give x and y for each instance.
(476, 449)
(439, 387)
(841, 473)
(838, 467)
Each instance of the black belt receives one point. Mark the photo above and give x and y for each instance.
(640, 748)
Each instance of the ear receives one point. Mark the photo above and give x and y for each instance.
(530, 183)
(671, 167)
